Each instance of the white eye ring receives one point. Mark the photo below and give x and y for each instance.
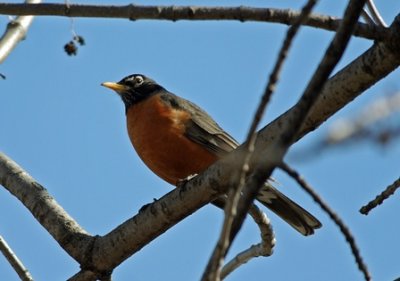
(138, 80)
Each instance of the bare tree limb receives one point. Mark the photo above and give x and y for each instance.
(14, 261)
(375, 13)
(362, 69)
(266, 231)
(343, 228)
(389, 191)
(15, 32)
(174, 13)
(262, 249)
(242, 258)
(67, 232)
(377, 62)
(105, 253)
(291, 127)
(213, 268)
(367, 17)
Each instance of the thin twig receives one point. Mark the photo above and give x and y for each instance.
(292, 127)
(15, 32)
(243, 257)
(329, 61)
(274, 76)
(389, 191)
(271, 85)
(265, 248)
(372, 123)
(366, 16)
(338, 221)
(213, 269)
(14, 261)
(266, 231)
(375, 13)
(351, 128)
(174, 13)
(372, 66)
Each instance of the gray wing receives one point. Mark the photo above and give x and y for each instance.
(202, 129)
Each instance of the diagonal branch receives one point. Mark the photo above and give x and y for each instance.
(375, 13)
(213, 269)
(14, 261)
(262, 249)
(389, 191)
(68, 233)
(343, 228)
(15, 32)
(102, 254)
(298, 114)
(174, 13)
(377, 62)
(367, 17)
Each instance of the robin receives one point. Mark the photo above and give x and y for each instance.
(175, 138)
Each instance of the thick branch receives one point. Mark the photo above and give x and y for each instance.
(341, 89)
(174, 13)
(369, 68)
(110, 250)
(71, 237)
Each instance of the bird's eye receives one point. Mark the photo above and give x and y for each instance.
(138, 80)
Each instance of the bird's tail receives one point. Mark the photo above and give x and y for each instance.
(289, 211)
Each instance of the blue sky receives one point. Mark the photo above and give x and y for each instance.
(69, 133)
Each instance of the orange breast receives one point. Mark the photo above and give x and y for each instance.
(157, 132)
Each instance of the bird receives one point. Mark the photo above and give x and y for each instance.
(175, 138)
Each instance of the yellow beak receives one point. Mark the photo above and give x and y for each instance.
(115, 86)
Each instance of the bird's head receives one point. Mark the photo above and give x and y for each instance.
(134, 88)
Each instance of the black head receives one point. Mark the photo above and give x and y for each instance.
(134, 88)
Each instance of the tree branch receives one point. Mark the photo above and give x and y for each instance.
(337, 220)
(371, 124)
(67, 232)
(377, 62)
(15, 262)
(375, 13)
(15, 32)
(298, 114)
(389, 191)
(370, 67)
(262, 249)
(105, 253)
(174, 13)
(213, 269)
